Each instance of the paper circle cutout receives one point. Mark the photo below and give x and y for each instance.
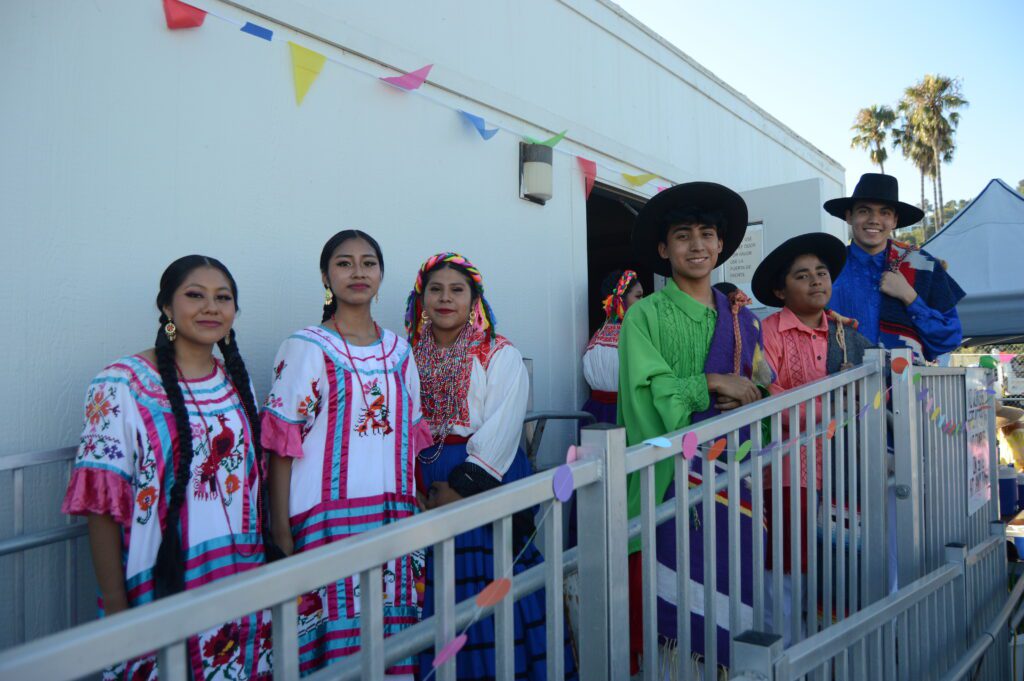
(493, 592)
(571, 455)
(662, 442)
(562, 483)
(744, 449)
(689, 445)
(900, 364)
(878, 399)
(449, 651)
(831, 432)
(988, 362)
(917, 378)
(716, 449)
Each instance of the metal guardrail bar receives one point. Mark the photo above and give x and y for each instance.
(977, 651)
(26, 459)
(139, 631)
(24, 542)
(812, 653)
(643, 455)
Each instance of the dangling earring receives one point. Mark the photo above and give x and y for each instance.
(170, 330)
(424, 317)
(227, 338)
(376, 298)
(328, 296)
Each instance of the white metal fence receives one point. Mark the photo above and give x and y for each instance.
(842, 625)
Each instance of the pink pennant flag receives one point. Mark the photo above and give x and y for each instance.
(1006, 357)
(180, 15)
(411, 80)
(589, 169)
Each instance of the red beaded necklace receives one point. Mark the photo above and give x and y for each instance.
(359, 378)
(441, 371)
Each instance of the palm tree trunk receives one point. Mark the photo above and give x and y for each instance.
(935, 207)
(938, 179)
(922, 189)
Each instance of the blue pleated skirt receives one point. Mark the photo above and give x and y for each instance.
(474, 570)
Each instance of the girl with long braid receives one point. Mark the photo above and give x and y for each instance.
(474, 393)
(170, 471)
(343, 423)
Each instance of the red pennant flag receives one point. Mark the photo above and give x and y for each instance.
(180, 15)
(589, 169)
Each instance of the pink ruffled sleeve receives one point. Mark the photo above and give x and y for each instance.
(420, 438)
(93, 491)
(280, 436)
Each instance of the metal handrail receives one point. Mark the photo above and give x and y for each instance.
(138, 631)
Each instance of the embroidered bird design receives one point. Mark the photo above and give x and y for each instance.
(220, 449)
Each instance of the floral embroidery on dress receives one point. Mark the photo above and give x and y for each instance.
(224, 451)
(98, 407)
(278, 369)
(374, 417)
(220, 650)
(147, 495)
(311, 403)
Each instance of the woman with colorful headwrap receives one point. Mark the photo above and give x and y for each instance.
(474, 388)
(601, 359)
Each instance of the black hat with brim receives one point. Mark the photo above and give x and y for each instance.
(829, 249)
(698, 196)
(876, 188)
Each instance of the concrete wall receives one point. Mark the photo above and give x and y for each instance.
(127, 145)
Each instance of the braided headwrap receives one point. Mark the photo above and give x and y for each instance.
(481, 317)
(614, 305)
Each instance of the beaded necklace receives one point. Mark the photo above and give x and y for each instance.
(440, 373)
(209, 451)
(362, 390)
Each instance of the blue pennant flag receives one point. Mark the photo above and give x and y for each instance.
(258, 31)
(479, 124)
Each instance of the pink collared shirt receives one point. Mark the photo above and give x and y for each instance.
(797, 354)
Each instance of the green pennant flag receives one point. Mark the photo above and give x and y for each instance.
(549, 142)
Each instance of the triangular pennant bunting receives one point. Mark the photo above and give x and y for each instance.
(306, 65)
(638, 180)
(411, 80)
(258, 31)
(589, 169)
(480, 125)
(550, 142)
(180, 15)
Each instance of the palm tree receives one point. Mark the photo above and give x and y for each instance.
(932, 110)
(871, 126)
(915, 150)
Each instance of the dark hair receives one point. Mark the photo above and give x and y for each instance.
(332, 245)
(725, 287)
(169, 571)
(474, 291)
(779, 283)
(692, 216)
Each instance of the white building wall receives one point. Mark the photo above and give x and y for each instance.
(126, 145)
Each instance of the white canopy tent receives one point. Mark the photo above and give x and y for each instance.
(984, 246)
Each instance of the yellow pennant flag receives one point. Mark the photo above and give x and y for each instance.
(306, 65)
(637, 180)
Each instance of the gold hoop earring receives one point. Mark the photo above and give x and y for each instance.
(424, 317)
(170, 330)
(328, 296)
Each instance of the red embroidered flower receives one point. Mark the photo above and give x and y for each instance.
(224, 644)
(146, 498)
(97, 409)
(144, 670)
(232, 484)
(310, 603)
(265, 636)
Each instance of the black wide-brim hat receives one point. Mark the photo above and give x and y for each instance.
(829, 249)
(699, 196)
(876, 188)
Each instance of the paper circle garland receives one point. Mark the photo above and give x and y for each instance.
(900, 364)
(744, 449)
(493, 592)
(449, 651)
(689, 445)
(878, 399)
(662, 442)
(572, 454)
(716, 449)
(831, 432)
(562, 483)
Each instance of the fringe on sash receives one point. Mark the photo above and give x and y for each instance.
(669, 658)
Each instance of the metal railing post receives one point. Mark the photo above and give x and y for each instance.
(873, 499)
(907, 451)
(604, 612)
(754, 654)
(956, 553)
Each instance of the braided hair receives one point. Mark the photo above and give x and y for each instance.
(328, 250)
(169, 571)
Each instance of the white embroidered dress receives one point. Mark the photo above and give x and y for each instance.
(352, 424)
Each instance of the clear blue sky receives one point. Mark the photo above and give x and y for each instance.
(813, 64)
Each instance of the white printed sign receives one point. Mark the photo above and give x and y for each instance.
(979, 464)
(739, 270)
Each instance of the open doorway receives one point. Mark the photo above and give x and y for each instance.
(610, 217)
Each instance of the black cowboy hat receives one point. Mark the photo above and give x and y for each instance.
(876, 188)
(699, 196)
(829, 249)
